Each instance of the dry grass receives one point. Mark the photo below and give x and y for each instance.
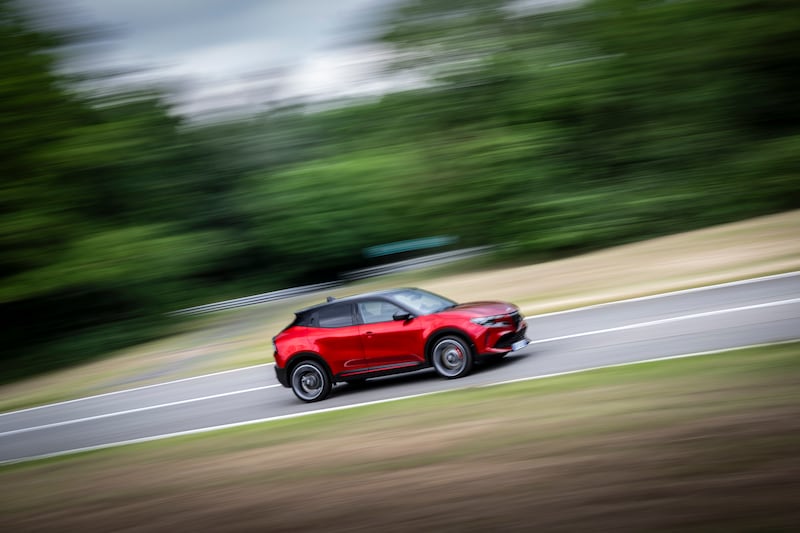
(705, 444)
(228, 340)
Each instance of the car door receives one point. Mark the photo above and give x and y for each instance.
(337, 337)
(388, 342)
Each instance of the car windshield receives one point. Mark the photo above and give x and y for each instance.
(422, 302)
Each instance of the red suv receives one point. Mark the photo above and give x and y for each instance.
(388, 332)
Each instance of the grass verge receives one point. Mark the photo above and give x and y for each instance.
(703, 444)
(757, 247)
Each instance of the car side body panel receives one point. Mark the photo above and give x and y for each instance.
(387, 343)
(342, 348)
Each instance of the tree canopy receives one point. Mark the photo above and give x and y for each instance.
(546, 132)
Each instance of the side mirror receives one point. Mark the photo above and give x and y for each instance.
(402, 315)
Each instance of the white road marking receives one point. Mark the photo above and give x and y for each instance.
(577, 309)
(538, 341)
(673, 293)
(652, 360)
(129, 411)
(374, 402)
(84, 398)
(668, 320)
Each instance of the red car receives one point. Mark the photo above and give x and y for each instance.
(388, 332)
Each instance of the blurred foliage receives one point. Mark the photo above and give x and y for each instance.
(546, 132)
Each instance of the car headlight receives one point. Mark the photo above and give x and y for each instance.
(497, 321)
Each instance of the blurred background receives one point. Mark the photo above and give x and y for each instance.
(158, 155)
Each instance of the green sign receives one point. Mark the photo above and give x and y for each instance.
(407, 246)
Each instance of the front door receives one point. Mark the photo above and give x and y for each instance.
(389, 343)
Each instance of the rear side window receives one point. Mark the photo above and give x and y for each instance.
(335, 316)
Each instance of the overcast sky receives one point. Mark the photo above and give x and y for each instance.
(229, 53)
(217, 55)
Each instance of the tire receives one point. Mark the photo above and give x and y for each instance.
(310, 381)
(452, 356)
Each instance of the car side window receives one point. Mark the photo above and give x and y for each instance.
(377, 311)
(335, 316)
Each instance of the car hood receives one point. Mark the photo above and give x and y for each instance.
(478, 309)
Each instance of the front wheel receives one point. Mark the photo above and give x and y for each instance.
(310, 381)
(452, 357)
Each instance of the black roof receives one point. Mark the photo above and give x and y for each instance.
(356, 298)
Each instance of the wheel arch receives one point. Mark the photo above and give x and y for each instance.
(443, 332)
(299, 357)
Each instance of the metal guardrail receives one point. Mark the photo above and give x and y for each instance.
(255, 299)
(418, 262)
(398, 266)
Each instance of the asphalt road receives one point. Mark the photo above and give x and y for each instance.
(757, 311)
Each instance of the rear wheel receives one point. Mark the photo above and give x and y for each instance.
(310, 381)
(452, 356)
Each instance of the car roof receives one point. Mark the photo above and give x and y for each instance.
(356, 298)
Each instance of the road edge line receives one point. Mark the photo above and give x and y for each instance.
(376, 402)
(92, 418)
(658, 322)
(670, 293)
(134, 389)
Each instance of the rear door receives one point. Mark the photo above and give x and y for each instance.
(337, 338)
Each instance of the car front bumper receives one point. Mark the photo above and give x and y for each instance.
(496, 342)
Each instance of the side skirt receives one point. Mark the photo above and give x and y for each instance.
(377, 371)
